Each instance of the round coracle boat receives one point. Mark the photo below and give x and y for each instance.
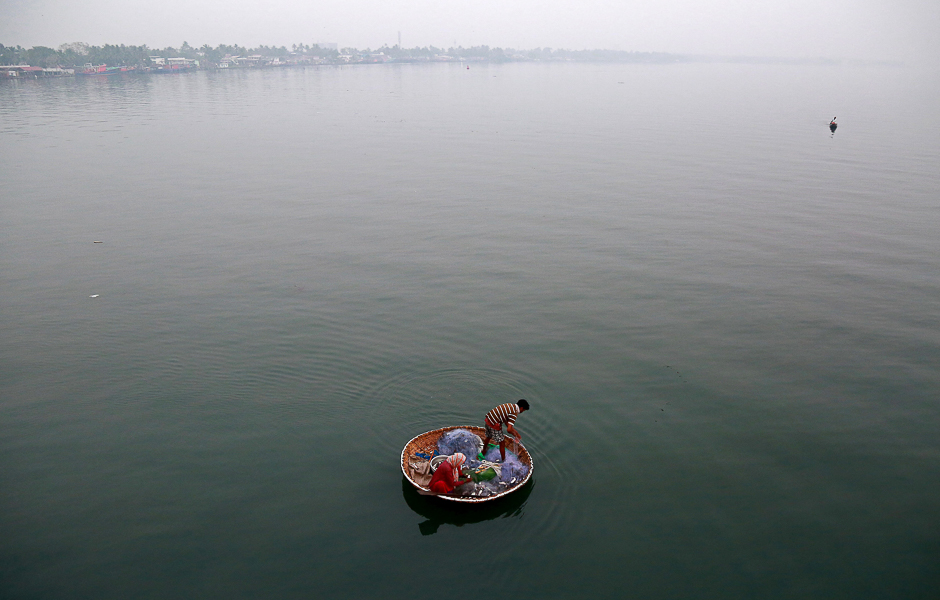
(426, 444)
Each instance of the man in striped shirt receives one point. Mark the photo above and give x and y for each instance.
(504, 414)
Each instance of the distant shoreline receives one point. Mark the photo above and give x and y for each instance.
(82, 59)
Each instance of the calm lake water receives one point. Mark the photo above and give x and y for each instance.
(727, 321)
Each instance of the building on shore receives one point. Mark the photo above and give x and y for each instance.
(28, 72)
(179, 61)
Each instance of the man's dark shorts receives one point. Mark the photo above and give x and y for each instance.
(495, 435)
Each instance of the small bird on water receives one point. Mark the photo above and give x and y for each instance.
(833, 125)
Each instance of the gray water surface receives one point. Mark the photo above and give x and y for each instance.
(727, 321)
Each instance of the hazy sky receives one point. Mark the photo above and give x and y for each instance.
(871, 29)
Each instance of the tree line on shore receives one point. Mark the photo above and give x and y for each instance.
(79, 53)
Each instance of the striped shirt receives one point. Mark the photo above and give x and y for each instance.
(504, 413)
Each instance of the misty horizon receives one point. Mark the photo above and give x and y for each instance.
(546, 53)
(837, 30)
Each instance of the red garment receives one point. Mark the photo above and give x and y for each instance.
(444, 479)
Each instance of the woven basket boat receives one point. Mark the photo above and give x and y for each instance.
(427, 443)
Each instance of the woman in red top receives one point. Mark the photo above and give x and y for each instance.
(447, 476)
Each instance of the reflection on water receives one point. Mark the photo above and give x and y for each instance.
(441, 512)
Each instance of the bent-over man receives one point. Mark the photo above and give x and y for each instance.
(504, 414)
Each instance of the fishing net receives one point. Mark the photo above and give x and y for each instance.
(460, 440)
(512, 471)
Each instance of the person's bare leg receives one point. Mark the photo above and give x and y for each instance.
(502, 449)
(486, 443)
